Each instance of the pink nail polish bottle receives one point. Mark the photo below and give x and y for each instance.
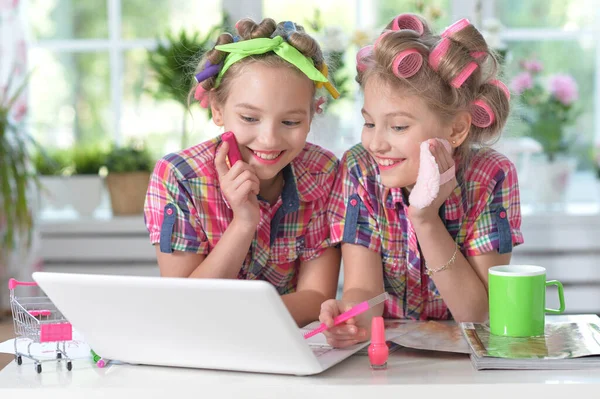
(378, 349)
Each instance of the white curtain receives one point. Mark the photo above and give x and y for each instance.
(13, 64)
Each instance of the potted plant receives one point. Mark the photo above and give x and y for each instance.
(51, 167)
(548, 106)
(129, 171)
(85, 184)
(173, 63)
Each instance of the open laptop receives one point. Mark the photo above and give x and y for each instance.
(238, 325)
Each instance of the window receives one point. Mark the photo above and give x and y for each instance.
(561, 35)
(91, 69)
(91, 75)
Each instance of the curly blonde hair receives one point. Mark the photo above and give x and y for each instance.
(452, 72)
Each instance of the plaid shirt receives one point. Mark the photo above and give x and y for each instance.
(185, 210)
(482, 214)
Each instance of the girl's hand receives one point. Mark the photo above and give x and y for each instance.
(343, 335)
(240, 186)
(444, 161)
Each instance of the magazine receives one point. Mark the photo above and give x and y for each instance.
(565, 345)
(440, 336)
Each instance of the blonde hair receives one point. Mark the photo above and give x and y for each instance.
(440, 79)
(248, 29)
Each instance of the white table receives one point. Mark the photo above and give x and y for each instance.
(418, 373)
(409, 371)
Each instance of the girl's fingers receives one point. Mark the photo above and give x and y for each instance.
(220, 157)
(243, 177)
(439, 158)
(244, 190)
(447, 157)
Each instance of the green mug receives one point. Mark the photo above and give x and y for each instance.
(517, 297)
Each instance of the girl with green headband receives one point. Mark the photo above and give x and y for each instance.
(263, 217)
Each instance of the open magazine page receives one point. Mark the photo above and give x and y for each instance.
(561, 341)
(443, 336)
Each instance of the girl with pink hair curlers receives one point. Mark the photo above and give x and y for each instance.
(421, 207)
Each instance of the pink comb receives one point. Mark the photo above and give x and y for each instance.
(407, 21)
(455, 27)
(234, 153)
(355, 311)
(407, 63)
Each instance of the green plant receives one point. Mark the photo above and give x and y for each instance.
(88, 160)
(16, 176)
(129, 159)
(174, 62)
(51, 162)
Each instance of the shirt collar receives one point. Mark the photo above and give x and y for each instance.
(306, 187)
(393, 196)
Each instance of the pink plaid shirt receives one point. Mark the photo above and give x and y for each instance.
(482, 214)
(185, 210)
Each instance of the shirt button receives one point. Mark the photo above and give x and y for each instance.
(503, 215)
(193, 211)
(291, 253)
(353, 202)
(169, 211)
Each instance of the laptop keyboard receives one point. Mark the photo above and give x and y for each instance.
(320, 349)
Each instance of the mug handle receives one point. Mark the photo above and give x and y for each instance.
(561, 297)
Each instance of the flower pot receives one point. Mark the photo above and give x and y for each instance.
(127, 192)
(53, 193)
(85, 192)
(550, 181)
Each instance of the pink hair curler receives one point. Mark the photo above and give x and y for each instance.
(502, 87)
(362, 54)
(408, 21)
(456, 27)
(438, 52)
(381, 37)
(464, 74)
(201, 95)
(319, 104)
(481, 114)
(234, 153)
(478, 54)
(407, 63)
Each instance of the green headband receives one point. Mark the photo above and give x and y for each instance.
(242, 49)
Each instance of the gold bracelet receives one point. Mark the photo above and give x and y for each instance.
(430, 272)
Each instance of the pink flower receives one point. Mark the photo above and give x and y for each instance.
(521, 82)
(564, 88)
(533, 66)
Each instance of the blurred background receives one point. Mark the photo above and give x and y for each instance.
(104, 94)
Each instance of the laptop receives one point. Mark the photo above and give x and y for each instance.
(237, 325)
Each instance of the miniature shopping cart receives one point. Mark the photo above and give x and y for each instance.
(39, 321)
